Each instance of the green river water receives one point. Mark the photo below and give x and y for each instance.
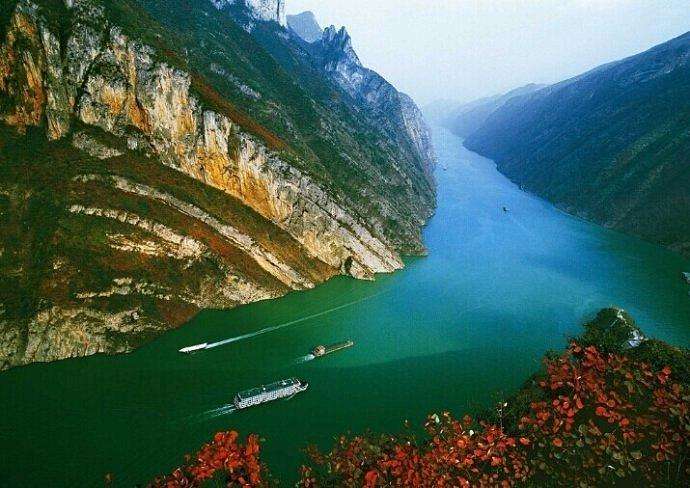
(454, 330)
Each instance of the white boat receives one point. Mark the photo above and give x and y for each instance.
(198, 347)
(268, 393)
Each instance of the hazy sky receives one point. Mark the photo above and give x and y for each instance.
(464, 49)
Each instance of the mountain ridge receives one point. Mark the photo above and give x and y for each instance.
(610, 145)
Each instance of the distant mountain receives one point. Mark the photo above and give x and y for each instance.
(466, 118)
(305, 26)
(611, 145)
(158, 157)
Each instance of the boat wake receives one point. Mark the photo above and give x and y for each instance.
(305, 359)
(273, 328)
(213, 413)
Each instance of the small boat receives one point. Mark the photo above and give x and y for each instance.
(268, 393)
(686, 277)
(320, 351)
(506, 209)
(195, 348)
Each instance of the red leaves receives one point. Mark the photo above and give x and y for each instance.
(601, 409)
(663, 375)
(239, 465)
(370, 479)
(592, 426)
(456, 453)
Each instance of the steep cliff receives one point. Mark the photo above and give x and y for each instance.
(133, 193)
(392, 110)
(611, 145)
(263, 10)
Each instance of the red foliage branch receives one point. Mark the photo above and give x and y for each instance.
(236, 464)
(607, 419)
(454, 455)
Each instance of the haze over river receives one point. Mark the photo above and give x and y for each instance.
(451, 331)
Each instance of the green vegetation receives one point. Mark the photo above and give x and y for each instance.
(57, 260)
(50, 255)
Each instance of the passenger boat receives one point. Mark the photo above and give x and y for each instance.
(268, 393)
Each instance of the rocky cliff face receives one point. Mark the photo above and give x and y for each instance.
(338, 58)
(418, 130)
(150, 196)
(263, 10)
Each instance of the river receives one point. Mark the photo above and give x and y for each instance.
(456, 330)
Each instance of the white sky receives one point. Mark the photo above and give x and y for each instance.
(464, 49)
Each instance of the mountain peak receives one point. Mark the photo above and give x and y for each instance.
(305, 26)
(265, 10)
(338, 44)
(337, 37)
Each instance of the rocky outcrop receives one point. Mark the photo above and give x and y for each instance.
(339, 58)
(124, 88)
(180, 205)
(59, 333)
(614, 330)
(262, 10)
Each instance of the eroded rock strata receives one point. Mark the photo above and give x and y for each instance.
(133, 193)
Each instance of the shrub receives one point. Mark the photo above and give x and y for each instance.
(225, 460)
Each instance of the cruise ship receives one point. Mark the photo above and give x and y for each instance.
(267, 393)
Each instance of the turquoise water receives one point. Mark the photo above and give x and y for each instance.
(455, 330)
